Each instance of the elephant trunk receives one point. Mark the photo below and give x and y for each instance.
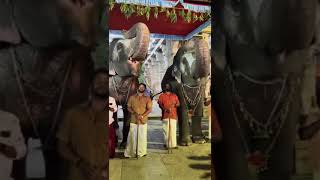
(202, 58)
(139, 46)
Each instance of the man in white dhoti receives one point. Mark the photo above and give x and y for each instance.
(12, 145)
(139, 107)
(168, 103)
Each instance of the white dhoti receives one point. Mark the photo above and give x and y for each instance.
(133, 140)
(315, 160)
(172, 134)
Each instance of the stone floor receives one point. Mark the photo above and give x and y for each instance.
(186, 163)
(303, 168)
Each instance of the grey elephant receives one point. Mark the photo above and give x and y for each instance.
(45, 23)
(262, 54)
(187, 76)
(46, 60)
(125, 59)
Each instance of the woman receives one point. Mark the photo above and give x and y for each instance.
(112, 133)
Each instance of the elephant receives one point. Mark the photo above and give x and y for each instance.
(46, 23)
(125, 59)
(262, 51)
(47, 50)
(187, 76)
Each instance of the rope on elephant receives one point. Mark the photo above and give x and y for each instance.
(55, 120)
(18, 79)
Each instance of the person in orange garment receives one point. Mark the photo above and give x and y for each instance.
(168, 102)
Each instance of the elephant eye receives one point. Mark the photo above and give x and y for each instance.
(120, 46)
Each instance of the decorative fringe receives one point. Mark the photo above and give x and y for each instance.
(161, 3)
(167, 4)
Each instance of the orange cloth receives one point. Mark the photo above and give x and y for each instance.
(166, 101)
(139, 104)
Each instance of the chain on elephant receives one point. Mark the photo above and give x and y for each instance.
(261, 44)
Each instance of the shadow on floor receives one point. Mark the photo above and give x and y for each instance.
(204, 167)
(200, 158)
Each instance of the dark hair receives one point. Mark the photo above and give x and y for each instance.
(102, 70)
(168, 84)
(145, 86)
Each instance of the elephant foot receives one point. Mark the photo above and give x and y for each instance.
(198, 140)
(187, 142)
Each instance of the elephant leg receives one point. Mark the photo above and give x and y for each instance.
(126, 127)
(196, 130)
(197, 135)
(184, 128)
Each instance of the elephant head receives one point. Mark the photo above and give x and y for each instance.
(273, 25)
(45, 23)
(192, 62)
(127, 54)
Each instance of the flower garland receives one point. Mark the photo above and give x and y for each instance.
(172, 13)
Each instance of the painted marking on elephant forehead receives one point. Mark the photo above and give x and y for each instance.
(120, 48)
(190, 59)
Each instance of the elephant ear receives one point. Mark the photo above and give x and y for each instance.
(112, 71)
(84, 17)
(288, 24)
(39, 22)
(176, 72)
(118, 57)
(219, 50)
(8, 30)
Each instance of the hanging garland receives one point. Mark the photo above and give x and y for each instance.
(172, 13)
